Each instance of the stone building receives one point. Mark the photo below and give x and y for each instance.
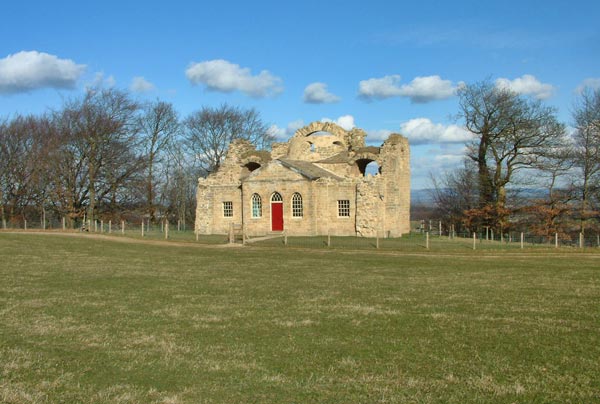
(314, 184)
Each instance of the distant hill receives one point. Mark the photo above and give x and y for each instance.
(425, 196)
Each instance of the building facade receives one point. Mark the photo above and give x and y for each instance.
(316, 183)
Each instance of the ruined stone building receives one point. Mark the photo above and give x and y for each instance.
(314, 184)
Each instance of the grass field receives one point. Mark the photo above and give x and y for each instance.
(94, 320)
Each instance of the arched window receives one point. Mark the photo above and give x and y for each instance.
(256, 206)
(297, 210)
(276, 197)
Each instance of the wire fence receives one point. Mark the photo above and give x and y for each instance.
(414, 241)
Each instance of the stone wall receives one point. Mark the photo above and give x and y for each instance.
(379, 205)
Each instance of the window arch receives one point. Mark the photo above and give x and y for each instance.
(256, 205)
(297, 208)
(276, 197)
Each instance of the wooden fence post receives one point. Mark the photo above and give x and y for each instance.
(123, 227)
(102, 226)
(25, 224)
(109, 226)
(555, 240)
(64, 223)
(474, 240)
(328, 238)
(521, 240)
(167, 230)
(142, 228)
(427, 240)
(581, 241)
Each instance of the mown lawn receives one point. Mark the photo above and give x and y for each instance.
(84, 320)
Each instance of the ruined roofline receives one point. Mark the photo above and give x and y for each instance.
(308, 170)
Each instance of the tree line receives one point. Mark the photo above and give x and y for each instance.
(523, 169)
(107, 156)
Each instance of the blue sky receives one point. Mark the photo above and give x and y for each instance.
(383, 66)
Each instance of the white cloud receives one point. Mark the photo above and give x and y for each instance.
(378, 135)
(316, 93)
(423, 130)
(380, 88)
(427, 161)
(528, 85)
(285, 133)
(419, 90)
(101, 82)
(592, 82)
(141, 85)
(221, 75)
(428, 88)
(345, 121)
(31, 70)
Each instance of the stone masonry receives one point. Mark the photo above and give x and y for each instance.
(316, 183)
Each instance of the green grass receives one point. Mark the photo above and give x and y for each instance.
(87, 320)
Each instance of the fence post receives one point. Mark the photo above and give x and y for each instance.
(102, 226)
(109, 226)
(142, 228)
(24, 224)
(166, 230)
(580, 240)
(179, 225)
(123, 227)
(521, 240)
(328, 238)
(64, 223)
(555, 240)
(598, 239)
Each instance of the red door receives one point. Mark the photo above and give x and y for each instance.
(276, 216)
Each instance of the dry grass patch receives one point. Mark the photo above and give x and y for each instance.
(89, 320)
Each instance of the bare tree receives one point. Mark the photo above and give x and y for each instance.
(550, 214)
(101, 123)
(23, 145)
(512, 132)
(209, 132)
(456, 192)
(158, 124)
(586, 153)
